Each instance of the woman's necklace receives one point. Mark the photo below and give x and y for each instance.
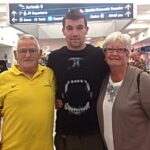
(112, 91)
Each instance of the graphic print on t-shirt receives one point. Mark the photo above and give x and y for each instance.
(77, 90)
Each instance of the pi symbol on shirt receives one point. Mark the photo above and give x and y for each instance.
(75, 62)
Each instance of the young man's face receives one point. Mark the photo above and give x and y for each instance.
(75, 31)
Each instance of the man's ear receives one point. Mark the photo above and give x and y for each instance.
(15, 55)
(63, 31)
(87, 28)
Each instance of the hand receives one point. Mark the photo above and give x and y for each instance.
(58, 103)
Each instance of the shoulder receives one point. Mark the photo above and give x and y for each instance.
(6, 73)
(51, 72)
(55, 55)
(6, 77)
(58, 51)
(46, 69)
(89, 46)
(133, 70)
(94, 49)
(95, 52)
(47, 72)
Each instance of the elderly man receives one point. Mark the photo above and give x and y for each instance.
(27, 93)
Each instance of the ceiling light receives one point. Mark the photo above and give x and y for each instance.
(132, 32)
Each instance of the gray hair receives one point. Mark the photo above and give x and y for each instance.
(125, 38)
(27, 36)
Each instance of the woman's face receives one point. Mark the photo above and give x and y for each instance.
(116, 55)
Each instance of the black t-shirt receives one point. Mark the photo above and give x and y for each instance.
(79, 75)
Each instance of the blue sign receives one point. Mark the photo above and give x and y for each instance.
(48, 13)
(145, 49)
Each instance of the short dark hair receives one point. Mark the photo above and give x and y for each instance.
(74, 14)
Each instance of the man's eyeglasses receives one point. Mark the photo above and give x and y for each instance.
(30, 50)
(118, 50)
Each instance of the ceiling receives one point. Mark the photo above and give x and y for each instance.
(141, 21)
(133, 27)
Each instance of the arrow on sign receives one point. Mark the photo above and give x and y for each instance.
(127, 7)
(22, 6)
(14, 13)
(128, 13)
(81, 10)
(14, 20)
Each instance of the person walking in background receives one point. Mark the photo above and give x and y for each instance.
(79, 69)
(3, 66)
(123, 106)
(27, 94)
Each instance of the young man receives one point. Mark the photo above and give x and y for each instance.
(27, 93)
(79, 70)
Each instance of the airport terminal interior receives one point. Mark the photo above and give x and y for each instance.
(44, 22)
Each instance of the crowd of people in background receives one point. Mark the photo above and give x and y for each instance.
(137, 60)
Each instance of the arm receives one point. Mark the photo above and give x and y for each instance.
(144, 92)
(50, 60)
(58, 103)
(50, 64)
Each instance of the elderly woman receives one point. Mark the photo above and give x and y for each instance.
(123, 106)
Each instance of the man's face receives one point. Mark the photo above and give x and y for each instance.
(27, 55)
(75, 31)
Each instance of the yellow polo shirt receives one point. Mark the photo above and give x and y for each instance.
(27, 109)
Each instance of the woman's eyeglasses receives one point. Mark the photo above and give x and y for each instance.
(118, 50)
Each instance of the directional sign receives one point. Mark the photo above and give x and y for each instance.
(145, 49)
(48, 13)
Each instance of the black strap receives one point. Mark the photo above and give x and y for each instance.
(138, 81)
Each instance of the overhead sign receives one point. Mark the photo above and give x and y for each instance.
(48, 13)
(145, 49)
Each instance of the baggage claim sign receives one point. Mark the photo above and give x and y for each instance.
(27, 13)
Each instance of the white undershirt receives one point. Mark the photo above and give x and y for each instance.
(107, 112)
